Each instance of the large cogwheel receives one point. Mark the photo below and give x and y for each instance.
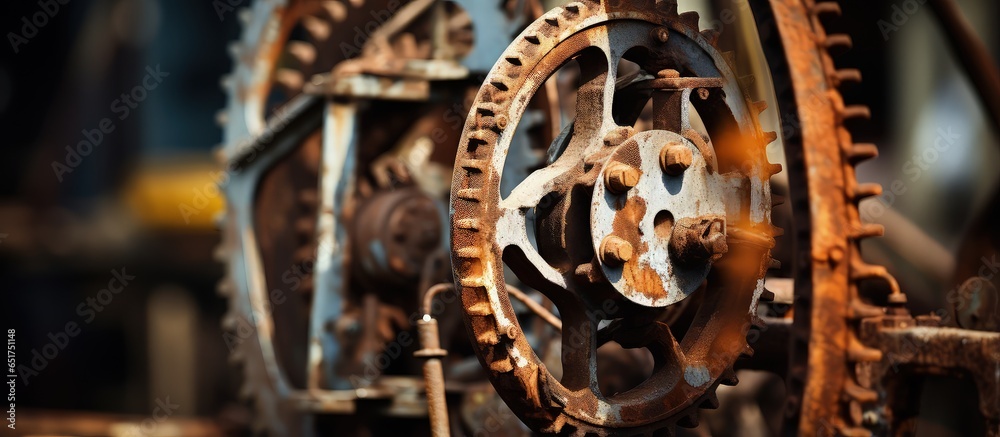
(623, 224)
(271, 148)
(826, 396)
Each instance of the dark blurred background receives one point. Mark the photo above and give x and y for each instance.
(65, 234)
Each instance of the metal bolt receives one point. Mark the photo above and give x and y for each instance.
(698, 240)
(704, 93)
(619, 178)
(870, 418)
(615, 251)
(618, 135)
(661, 34)
(675, 158)
(668, 74)
(836, 255)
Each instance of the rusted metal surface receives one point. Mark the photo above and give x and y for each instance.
(628, 250)
(430, 343)
(845, 352)
(972, 54)
(312, 199)
(650, 238)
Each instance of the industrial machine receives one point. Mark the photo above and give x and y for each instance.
(619, 234)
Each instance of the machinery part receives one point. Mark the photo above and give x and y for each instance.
(725, 183)
(844, 349)
(395, 232)
(824, 193)
(305, 82)
(978, 305)
(430, 342)
(973, 56)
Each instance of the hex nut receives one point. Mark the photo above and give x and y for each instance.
(615, 251)
(675, 158)
(619, 178)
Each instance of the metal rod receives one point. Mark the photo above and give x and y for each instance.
(535, 307)
(972, 55)
(430, 342)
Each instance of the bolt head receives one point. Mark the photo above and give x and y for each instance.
(668, 74)
(615, 251)
(618, 135)
(675, 158)
(661, 34)
(619, 178)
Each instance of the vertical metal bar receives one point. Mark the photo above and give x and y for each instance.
(972, 55)
(336, 188)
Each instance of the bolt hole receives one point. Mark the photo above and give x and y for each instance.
(663, 224)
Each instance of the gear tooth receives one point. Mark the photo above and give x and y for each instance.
(244, 15)
(225, 289)
(690, 19)
(712, 36)
(862, 152)
(770, 137)
(856, 111)
(826, 8)
(309, 197)
(235, 49)
(219, 219)
(767, 296)
(226, 82)
(867, 230)
(847, 75)
(838, 40)
(777, 200)
(219, 153)
(729, 378)
(760, 106)
(220, 254)
(291, 81)
(318, 29)
(229, 321)
(747, 82)
(689, 421)
(668, 7)
(859, 353)
(730, 58)
(772, 169)
(858, 393)
(864, 191)
(335, 11)
(777, 231)
(711, 401)
(222, 117)
(246, 392)
(774, 264)
(303, 52)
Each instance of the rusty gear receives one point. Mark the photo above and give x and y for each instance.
(729, 173)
